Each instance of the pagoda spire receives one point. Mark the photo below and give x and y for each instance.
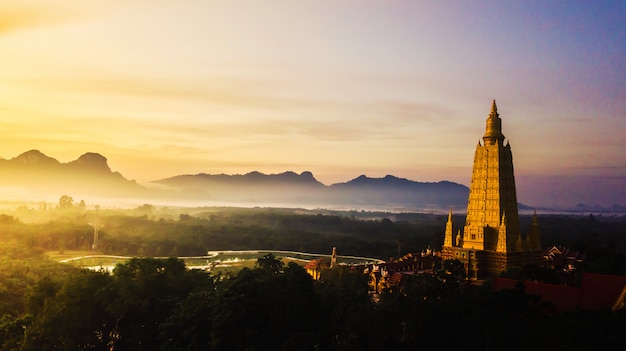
(493, 132)
(494, 108)
(447, 241)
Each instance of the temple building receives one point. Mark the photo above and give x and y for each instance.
(491, 241)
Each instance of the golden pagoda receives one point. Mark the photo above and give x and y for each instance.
(491, 241)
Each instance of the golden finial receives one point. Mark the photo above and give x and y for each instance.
(494, 107)
(493, 132)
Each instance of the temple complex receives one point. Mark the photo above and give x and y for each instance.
(490, 241)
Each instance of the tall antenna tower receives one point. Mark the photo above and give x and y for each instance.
(95, 230)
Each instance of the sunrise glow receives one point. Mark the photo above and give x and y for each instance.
(338, 88)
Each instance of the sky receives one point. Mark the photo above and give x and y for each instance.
(336, 87)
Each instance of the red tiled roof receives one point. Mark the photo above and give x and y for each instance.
(564, 298)
(317, 263)
(600, 290)
(597, 291)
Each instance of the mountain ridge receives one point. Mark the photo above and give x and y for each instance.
(90, 176)
(36, 173)
(389, 191)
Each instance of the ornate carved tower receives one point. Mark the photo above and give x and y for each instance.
(492, 200)
(491, 240)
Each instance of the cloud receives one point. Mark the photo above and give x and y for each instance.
(14, 17)
(231, 115)
(222, 91)
(250, 93)
(27, 14)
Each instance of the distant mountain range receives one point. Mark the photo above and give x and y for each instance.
(303, 189)
(90, 177)
(34, 176)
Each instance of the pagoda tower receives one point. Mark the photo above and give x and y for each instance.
(491, 240)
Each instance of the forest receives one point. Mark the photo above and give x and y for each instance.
(158, 304)
(153, 231)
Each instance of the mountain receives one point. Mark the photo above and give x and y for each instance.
(40, 177)
(290, 188)
(91, 162)
(34, 158)
(34, 174)
(253, 179)
(394, 191)
(254, 187)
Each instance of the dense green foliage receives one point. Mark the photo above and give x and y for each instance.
(146, 231)
(150, 304)
(164, 232)
(24, 276)
(153, 304)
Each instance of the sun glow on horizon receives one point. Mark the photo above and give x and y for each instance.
(162, 88)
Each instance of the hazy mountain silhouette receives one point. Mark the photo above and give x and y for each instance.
(89, 175)
(254, 187)
(392, 190)
(33, 158)
(304, 189)
(253, 179)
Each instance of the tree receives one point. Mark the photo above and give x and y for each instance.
(451, 272)
(145, 209)
(102, 311)
(269, 263)
(148, 291)
(260, 309)
(12, 331)
(76, 318)
(346, 305)
(66, 202)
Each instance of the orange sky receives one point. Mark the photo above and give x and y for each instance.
(338, 88)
